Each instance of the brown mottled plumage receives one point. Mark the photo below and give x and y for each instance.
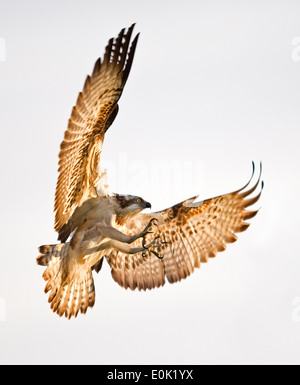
(95, 110)
(93, 223)
(194, 232)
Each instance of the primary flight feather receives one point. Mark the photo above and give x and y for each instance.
(93, 223)
(94, 112)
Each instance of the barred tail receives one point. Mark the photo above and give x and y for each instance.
(71, 290)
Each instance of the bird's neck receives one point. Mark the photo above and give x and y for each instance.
(121, 218)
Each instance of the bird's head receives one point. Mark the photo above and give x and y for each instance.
(129, 205)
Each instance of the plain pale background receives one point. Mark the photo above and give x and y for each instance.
(214, 85)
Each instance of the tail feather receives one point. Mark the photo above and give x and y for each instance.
(69, 293)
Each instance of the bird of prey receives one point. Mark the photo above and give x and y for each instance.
(94, 224)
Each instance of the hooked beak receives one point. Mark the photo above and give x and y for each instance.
(147, 205)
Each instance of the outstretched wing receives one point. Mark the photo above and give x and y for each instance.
(194, 231)
(94, 112)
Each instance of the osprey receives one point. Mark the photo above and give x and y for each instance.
(93, 223)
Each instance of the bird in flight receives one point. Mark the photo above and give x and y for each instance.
(94, 224)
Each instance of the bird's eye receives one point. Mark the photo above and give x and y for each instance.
(138, 200)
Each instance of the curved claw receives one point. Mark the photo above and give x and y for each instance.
(150, 244)
(144, 254)
(156, 254)
(153, 220)
(148, 232)
(155, 239)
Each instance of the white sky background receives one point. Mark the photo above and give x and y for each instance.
(214, 85)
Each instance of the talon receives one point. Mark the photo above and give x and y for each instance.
(148, 232)
(156, 254)
(154, 221)
(152, 243)
(144, 242)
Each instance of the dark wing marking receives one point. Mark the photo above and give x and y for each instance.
(195, 232)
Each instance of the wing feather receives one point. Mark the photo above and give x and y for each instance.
(94, 112)
(195, 232)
